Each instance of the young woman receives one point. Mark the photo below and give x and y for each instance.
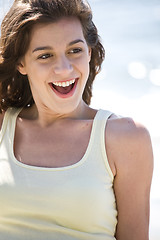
(67, 171)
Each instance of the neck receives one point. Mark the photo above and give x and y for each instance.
(46, 117)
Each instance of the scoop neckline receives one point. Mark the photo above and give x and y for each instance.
(39, 168)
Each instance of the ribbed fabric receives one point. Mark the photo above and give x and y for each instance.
(76, 202)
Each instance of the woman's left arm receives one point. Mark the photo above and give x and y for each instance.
(133, 159)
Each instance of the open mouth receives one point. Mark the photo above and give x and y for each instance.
(64, 89)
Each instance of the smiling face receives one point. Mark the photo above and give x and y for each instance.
(57, 65)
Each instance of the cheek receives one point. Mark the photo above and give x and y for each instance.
(37, 73)
(83, 64)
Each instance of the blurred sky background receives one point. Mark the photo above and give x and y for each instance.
(129, 83)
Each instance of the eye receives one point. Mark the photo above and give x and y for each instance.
(45, 56)
(75, 50)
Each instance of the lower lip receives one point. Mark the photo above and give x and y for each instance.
(68, 95)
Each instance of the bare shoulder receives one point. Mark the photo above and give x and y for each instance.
(127, 142)
(126, 127)
(124, 130)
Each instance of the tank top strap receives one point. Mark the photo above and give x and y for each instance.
(97, 138)
(9, 122)
(99, 123)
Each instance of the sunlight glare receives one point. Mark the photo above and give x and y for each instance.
(137, 70)
(155, 76)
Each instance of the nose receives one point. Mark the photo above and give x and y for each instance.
(62, 65)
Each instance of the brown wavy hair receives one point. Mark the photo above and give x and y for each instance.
(15, 37)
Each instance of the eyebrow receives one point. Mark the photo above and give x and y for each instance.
(75, 41)
(50, 48)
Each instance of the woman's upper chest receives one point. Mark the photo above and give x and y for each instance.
(61, 144)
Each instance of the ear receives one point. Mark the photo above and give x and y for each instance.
(21, 67)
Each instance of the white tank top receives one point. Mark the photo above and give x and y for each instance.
(75, 202)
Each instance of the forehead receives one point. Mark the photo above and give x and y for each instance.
(64, 30)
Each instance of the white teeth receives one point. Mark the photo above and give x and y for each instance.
(64, 84)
